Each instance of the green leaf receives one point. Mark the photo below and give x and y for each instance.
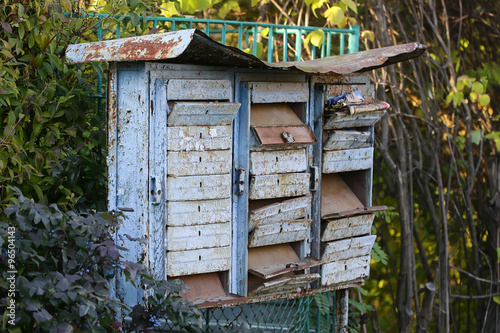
(316, 37)
(264, 32)
(484, 100)
(478, 87)
(66, 5)
(334, 15)
(498, 255)
(476, 136)
(496, 299)
(449, 98)
(351, 4)
(134, 19)
(458, 98)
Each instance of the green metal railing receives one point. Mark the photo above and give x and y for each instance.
(275, 41)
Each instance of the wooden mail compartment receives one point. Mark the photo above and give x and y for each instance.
(358, 119)
(347, 160)
(279, 233)
(180, 213)
(199, 138)
(213, 162)
(202, 113)
(345, 270)
(347, 227)
(342, 139)
(199, 187)
(264, 212)
(279, 185)
(347, 248)
(198, 236)
(198, 89)
(189, 262)
(288, 283)
(278, 161)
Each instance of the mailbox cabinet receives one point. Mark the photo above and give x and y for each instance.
(237, 176)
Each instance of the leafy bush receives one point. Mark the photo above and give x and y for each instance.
(64, 264)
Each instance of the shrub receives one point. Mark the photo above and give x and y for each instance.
(64, 264)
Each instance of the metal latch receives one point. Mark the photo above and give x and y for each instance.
(155, 191)
(241, 180)
(287, 137)
(315, 177)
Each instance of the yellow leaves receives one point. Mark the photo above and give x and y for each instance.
(367, 35)
(168, 9)
(334, 15)
(315, 38)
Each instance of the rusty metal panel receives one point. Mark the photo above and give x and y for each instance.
(348, 248)
(199, 138)
(345, 120)
(199, 261)
(198, 89)
(348, 227)
(198, 187)
(347, 160)
(279, 233)
(278, 161)
(277, 92)
(212, 162)
(198, 236)
(196, 113)
(340, 140)
(287, 210)
(345, 270)
(275, 260)
(182, 213)
(284, 135)
(279, 185)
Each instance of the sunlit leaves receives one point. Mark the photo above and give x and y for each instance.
(476, 136)
(350, 4)
(316, 37)
(231, 5)
(334, 15)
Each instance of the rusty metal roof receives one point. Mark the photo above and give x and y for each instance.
(192, 46)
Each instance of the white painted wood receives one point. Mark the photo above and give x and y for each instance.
(339, 140)
(347, 160)
(279, 186)
(348, 248)
(348, 227)
(277, 92)
(199, 261)
(196, 113)
(287, 210)
(182, 213)
(198, 89)
(198, 236)
(199, 163)
(344, 120)
(198, 187)
(279, 233)
(199, 138)
(278, 161)
(345, 270)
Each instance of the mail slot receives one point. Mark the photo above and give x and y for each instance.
(248, 180)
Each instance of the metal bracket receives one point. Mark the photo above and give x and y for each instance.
(315, 177)
(155, 191)
(241, 180)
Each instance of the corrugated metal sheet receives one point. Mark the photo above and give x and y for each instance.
(194, 47)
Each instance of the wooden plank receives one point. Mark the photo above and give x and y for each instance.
(202, 286)
(181, 213)
(285, 284)
(199, 163)
(198, 261)
(181, 89)
(287, 210)
(348, 248)
(199, 138)
(347, 160)
(277, 135)
(276, 92)
(279, 186)
(340, 140)
(196, 113)
(348, 227)
(198, 236)
(344, 120)
(274, 114)
(278, 161)
(336, 196)
(279, 233)
(274, 260)
(345, 270)
(198, 187)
